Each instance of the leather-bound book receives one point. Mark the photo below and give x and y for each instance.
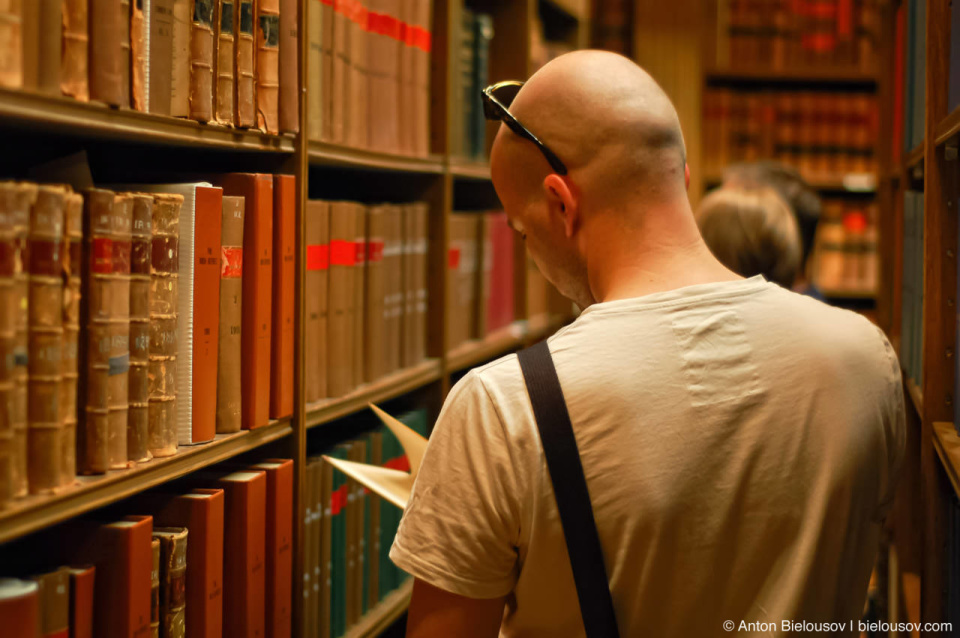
(244, 78)
(155, 587)
(268, 65)
(159, 31)
(19, 608)
(119, 363)
(70, 263)
(180, 37)
(54, 589)
(49, 43)
(229, 360)
(138, 56)
(244, 549)
(30, 42)
(45, 336)
(373, 317)
(359, 295)
(315, 96)
(174, 543)
(105, 54)
(24, 196)
(126, 55)
(164, 298)
(317, 270)
(289, 63)
(340, 299)
(201, 60)
(82, 585)
(284, 271)
(257, 191)
(138, 416)
(11, 37)
(279, 546)
(75, 41)
(224, 92)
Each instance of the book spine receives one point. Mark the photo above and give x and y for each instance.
(173, 570)
(284, 264)
(155, 588)
(231, 298)
(161, 58)
(279, 539)
(45, 336)
(69, 376)
(340, 296)
(359, 305)
(119, 320)
(374, 316)
(357, 107)
(11, 36)
(268, 65)
(138, 417)
(315, 87)
(289, 67)
(48, 63)
(225, 62)
(81, 601)
(74, 80)
(317, 262)
(54, 590)
(180, 38)
(325, 576)
(201, 61)
(138, 57)
(105, 63)
(327, 23)
(30, 41)
(340, 82)
(245, 81)
(126, 53)
(164, 295)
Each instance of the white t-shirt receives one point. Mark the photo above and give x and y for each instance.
(741, 445)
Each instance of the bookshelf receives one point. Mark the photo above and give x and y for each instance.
(129, 145)
(822, 76)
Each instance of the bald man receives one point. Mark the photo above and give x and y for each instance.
(740, 442)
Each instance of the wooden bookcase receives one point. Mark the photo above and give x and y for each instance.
(128, 144)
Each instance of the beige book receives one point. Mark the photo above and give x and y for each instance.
(359, 295)
(48, 63)
(357, 107)
(420, 256)
(138, 416)
(30, 33)
(180, 37)
(244, 78)
(105, 54)
(341, 76)
(224, 110)
(201, 60)
(393, 297)
(289, 63)
(327, 22)
(314, 70)
(160, 63)
(409, 230)
(340, 300)
(11, 44)
(138, 57)
(119, 363)
(268, 65)
(45, 336)
(374, 322)
(71, 264)
(231, 305)
(126, 54)
(25, 195)
(317, 276)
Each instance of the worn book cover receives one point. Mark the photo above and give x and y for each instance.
(279, 546)
(119, 363)
(138, 56)
(284, 271)
(70, 263)
(393, 284)
(229, 360)
(45, 336)
(155, 587)
(126, 62)
(11, 39)
(268, 65)
(74, 79)
(138, 415)
(174, 544)
(180, 39)
(244, 77)
(201, 60)
(50, 41)
(160, 56)
(224, 91)
(327, 22)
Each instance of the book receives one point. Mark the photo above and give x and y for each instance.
(245, 544)
(324, 561)
(309, 606)
(73, 51)
(138, 415)
(279, 546)
(19, 607)
(420, 257)
(82, 585)
(327, 29)
(257, 191)
(155, 587)
(49, 26)
(315, 85)
(54, 592)
(11, 38)
(198, 308)
(289, 63)
(359, 284)
(356, 109)
(202, 44)
(224, 112)
(118, 395)
(229, 362)
(244, 79)
(374, 458)
(315, 300)
(164, 323)
(45, 337)
(181, 37)
(374, 322)
(138, 57)
(105, 61)
(408, 287)
(340, 74)
(267, 30)
(126, 55)
(160, 30)
(340, 300)
(174, 544)
(70, 262)
(393, 284)
(30, 44)
(284, 271)
(422, 45)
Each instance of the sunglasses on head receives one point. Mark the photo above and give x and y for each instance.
(496, 100)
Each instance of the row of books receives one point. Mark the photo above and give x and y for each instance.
(476, 34)
(214, 560)
(910, 100)
(348, 532)
(780, 34)
(845, 254)
(823, 135)
(140, 294)
(368, 74)
(366, 293)
(480, 291)
(911, 296)
(229, 62)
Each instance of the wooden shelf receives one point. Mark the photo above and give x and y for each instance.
(29, 514)
(914, 158)
(66, 116)
(471, 353)
(865, 183)
(947, 444)
(467, 169)
(384, 614)
(793, 75)
(390, 386)
(948, 128)
(916, 396)
(324, 154)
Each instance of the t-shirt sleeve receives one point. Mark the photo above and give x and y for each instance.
(460, 529)
(894, 428)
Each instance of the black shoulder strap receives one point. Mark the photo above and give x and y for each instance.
(570, 489)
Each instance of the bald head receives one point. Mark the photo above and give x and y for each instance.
(606, 119)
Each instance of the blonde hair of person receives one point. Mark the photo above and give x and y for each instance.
(752, 231)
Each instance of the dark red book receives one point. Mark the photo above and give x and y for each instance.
(279, 541)
(284, 262)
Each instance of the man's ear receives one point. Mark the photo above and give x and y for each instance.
(560, 198)
(686, 176)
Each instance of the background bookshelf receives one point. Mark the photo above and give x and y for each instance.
(126, 145)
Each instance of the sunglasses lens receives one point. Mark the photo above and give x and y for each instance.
(506, 93)
(490, 110)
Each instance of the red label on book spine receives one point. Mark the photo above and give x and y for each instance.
(360, 252)
(845, 18)
(101, 256)
(375, 251)
(231, 262)
(318, 257)
(342, 253)
(453, 258)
